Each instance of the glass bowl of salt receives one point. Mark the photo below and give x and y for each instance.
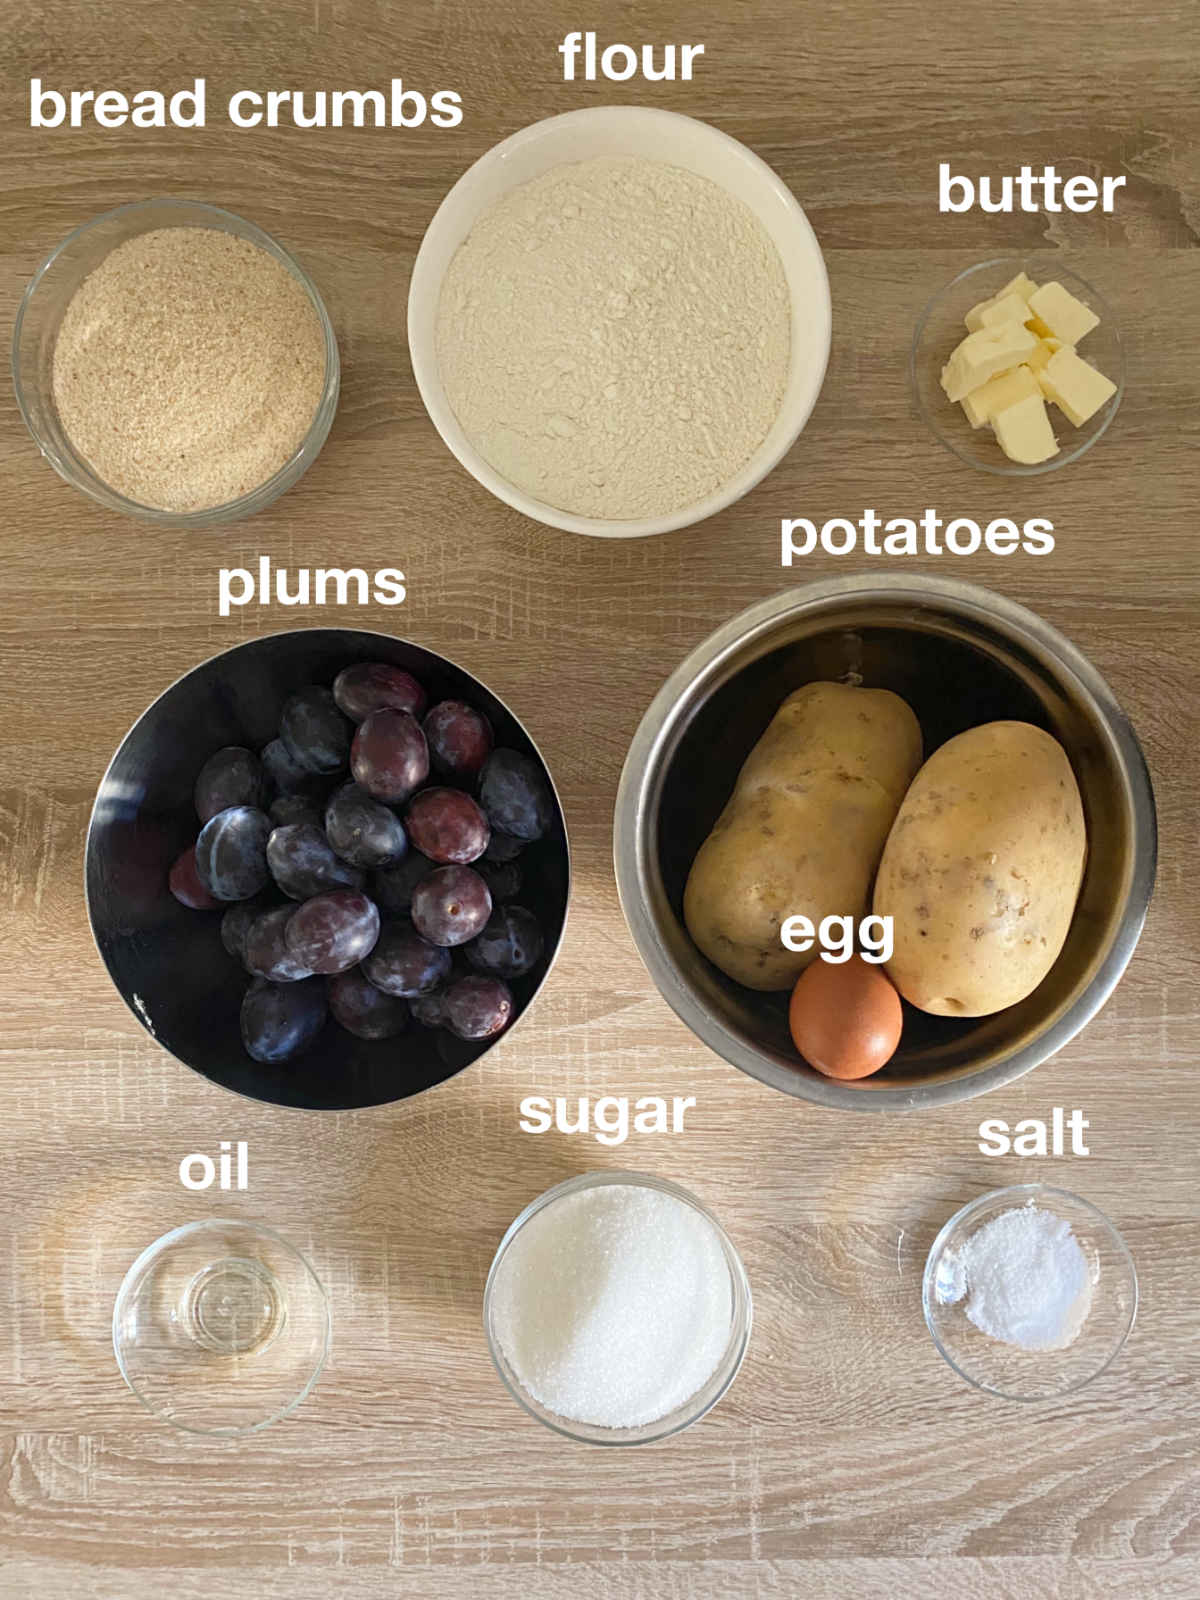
(1029, 1292)
(617, 1310)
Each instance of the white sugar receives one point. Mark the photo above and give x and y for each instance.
(613, 1305)
(1026, 1279)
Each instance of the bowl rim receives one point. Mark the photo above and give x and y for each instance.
(425, 289)
(740, 1329)
(381, 1105)
(1019, 1194)
(633, 867)
(950, 437)
(190, 1229)
(74, 470)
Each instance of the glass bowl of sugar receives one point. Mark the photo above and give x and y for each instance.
(1029, 1292)
(617, 1309)
(176, 363)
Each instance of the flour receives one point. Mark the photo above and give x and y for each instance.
(614, 337)
(1026, 1278)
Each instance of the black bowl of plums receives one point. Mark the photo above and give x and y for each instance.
(327, 869)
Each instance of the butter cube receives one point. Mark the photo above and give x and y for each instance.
(998, 393)
(983, 354)
(1020, 286)
(1061, 314)
(1024, 433)
(1005, 308)
(1075, 386)
(973, 320)
(1038, 357)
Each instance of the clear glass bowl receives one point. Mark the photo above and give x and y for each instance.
(941, 328)
(221, 1327)
(36, 330)
(1005, 1370)
(697, 1404)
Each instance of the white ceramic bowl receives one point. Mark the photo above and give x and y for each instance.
(682, 142)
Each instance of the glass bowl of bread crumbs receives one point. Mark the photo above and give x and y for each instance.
(175, 363)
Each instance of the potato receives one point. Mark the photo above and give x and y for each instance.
(982, 869)
(803, 830)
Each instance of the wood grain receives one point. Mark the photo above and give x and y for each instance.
(847, 1460)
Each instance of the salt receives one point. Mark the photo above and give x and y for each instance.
(1026, 1280)
(613, 1305)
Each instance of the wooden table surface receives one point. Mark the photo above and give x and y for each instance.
(847, 1459)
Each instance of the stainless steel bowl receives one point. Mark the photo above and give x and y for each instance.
(960, 655)
(169, 963)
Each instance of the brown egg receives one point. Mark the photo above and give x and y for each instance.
(846, 1019)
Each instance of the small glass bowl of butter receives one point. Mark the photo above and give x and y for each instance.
(1017, 365)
